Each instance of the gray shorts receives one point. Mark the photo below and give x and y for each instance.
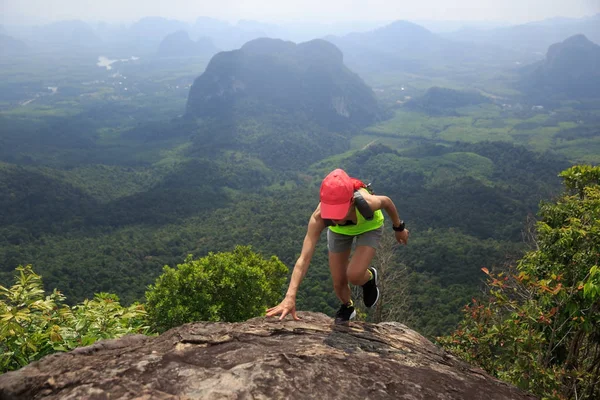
(338, 243)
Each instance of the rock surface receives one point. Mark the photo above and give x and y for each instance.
(259, 359)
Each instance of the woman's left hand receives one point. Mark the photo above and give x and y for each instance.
(402, 237)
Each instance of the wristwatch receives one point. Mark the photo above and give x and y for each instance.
(400, 227)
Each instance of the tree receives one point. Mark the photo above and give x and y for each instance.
(228, 286)
(540, 328)
(33, 324)
(392, 282)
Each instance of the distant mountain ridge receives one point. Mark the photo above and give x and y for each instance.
(265, 73)
(227, 36)
(150, 31)
(145, 35)
(399, 45)
(11, 46)
(571, 69)
(533, 36)
(405, 46)
(179, 44)
(68, 33)
(398, 35)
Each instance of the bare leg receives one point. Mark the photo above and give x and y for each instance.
(357, 273)
(338, 265)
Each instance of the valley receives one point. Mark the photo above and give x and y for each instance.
(110, 171)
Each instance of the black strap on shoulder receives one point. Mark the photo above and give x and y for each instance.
(362, 206)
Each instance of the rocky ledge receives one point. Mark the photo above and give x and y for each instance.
(259, 359)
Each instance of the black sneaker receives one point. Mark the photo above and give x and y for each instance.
(344, 314)
(370, 290)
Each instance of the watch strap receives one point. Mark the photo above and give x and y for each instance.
(400, 227)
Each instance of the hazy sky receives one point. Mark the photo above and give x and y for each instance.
(514, 11)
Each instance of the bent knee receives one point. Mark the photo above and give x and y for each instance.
(356, 277)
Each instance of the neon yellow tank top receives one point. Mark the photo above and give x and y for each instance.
(362, 225)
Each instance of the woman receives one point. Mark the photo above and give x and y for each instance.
(351, 213)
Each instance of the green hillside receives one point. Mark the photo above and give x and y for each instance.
(102, 186)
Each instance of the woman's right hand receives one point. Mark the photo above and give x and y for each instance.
(287, 306)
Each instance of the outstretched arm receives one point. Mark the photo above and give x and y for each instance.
(288, 305)
(385, 203)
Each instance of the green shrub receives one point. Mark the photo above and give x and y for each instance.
(540, 327)
(229, 286)
(33, 324)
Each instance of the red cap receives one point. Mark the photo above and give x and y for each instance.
(337, 191)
